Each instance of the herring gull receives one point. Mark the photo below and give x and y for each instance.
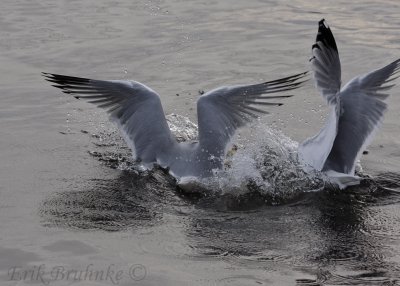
(356, 111)
(137, 111)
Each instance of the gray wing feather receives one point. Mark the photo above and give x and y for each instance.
(315, 150)
(325, 63)
(222, 111)
(356, 110)
(362, 108)
(135, 108)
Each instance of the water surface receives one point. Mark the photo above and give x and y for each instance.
(65, 206)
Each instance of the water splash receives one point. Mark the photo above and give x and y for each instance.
(264, 167)
(182, 128)
(266, 164)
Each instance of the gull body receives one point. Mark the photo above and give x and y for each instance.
(137, 111)
(356, 111)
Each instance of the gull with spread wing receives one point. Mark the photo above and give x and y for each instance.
(137, 111)
(356, 111)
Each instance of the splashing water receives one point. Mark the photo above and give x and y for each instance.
(267, 164)
(182, 127)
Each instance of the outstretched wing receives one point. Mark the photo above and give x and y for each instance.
(135, 108)
(221, 111)
(362, 110)
(325, 63)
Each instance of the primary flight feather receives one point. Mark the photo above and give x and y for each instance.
(138, 112)
(356, 111)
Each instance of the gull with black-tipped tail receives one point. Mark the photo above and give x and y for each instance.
(356, 111)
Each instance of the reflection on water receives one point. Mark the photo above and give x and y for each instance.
(349, 242)
(130, 200)
(329, 229)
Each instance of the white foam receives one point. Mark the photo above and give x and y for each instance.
(267, 162)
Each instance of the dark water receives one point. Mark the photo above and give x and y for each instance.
(65, 208)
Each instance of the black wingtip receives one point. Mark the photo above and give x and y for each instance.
(325, 36)
(47, 76)
(315, 46)
(323, 22)
(64, 79)
(67, 84)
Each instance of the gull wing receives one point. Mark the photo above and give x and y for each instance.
(362, 109)
(223, 110)
(325, 64)
(134, 107)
